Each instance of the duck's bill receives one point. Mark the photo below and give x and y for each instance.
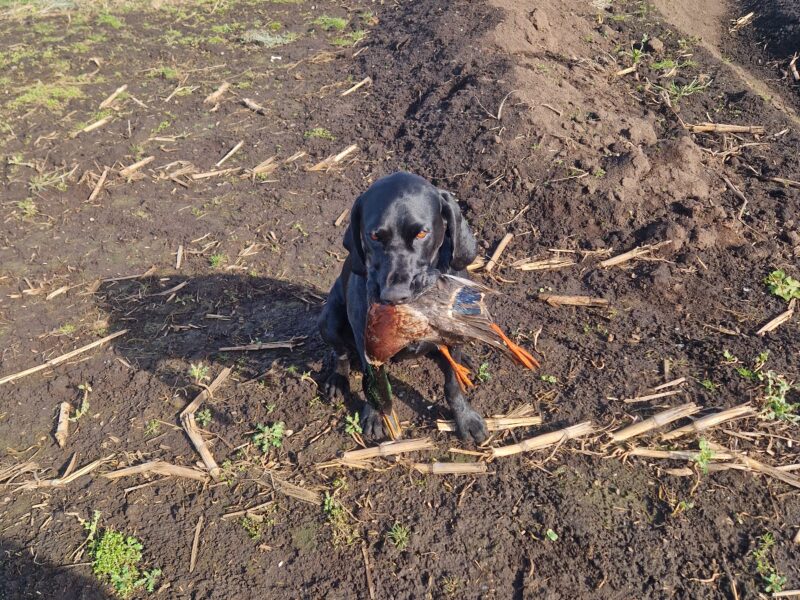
(392, 425)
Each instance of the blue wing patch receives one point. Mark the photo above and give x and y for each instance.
(467, 301)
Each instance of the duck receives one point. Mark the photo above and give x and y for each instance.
(449, 313)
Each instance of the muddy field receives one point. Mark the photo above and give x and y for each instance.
(567, 124)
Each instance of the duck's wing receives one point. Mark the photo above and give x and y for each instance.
(469, 283)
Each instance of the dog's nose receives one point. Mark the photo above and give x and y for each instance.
(395, 295)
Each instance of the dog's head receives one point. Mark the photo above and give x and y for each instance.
(402, 231)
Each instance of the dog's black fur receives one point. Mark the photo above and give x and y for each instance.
(388, 263)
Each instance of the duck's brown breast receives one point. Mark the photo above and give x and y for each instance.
(392, 328)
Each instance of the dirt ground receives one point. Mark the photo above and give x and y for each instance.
(564, 122)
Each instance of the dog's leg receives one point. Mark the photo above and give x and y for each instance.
(333, 327)
(469, 423)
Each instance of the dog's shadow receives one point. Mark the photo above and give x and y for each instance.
(175, 321)
(25, 576)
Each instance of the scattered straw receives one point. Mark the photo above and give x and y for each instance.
(440, 468)
(501, 247)
(632, 254)
(62, 428)
(159, 467)
(743, 410)
(555, 300)
(545, 440)
(495, 423)
(659, 420)
(60, 359)
(389, 449)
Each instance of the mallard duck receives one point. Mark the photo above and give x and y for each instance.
(449, 313)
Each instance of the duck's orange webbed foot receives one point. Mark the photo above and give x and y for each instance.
(523, 356)
(462, 372)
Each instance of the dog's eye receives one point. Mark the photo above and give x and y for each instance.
(373, 236)
(421, 235)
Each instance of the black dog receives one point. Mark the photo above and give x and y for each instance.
(403, 232)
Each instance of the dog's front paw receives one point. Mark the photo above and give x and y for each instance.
(371, 423)
(336, 387)
(471, 426)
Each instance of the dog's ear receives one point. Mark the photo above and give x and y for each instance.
(462, 245)
(352, 240)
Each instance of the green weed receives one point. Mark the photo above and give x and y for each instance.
(782, 285)
(677, 92)
(776, 407)
(330, 23)
(203, 417)
(349, 39)
(551, 535)
(399, 536)
(252, 527)
(483, 373)
(115, 560)
(152, 428)
(27, 208)
(216, 260)
(84, 407)
(344, 533)
(51, 96)
(198, 372)
(267, 437)
(67, 329)
(549, 378)
(705, 455)
(319, 133)
(709, 385)
(110, 20)
(352, 424)
(773, 581)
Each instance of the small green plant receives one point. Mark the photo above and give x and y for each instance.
(28, 208)
(198, 372)
(152, 428)
(216, 260)
(203, 417)
(450, 586)
(330, 23)
(551, 535)
(115, 560)
(709, 385)
(269, 436)
(776, 406)
(483, 372)
(773, 581)
(319, 133)
(165, 72)
(783, 285)
(349, 39)
(703, 458)
(677, 92)
(599, 173)
(352, 424)
(664, 65)
(549, 378)
(344, 533)
(729, 357)
(67, 329)
(84, 407)
(398, 536)
(110, 20)
(252, 527)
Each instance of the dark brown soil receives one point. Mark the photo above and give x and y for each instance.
(769, 43)
(606, 165)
